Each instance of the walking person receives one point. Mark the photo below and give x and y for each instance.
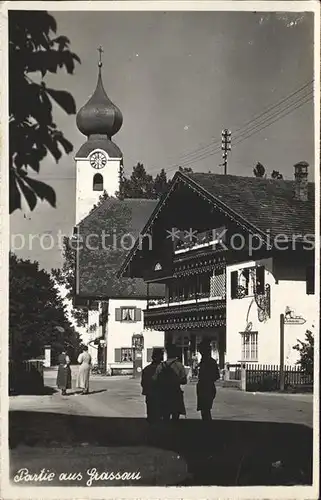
(149, 387)
(64, 373)
(207, 376)
(169, 376)
(84, 359)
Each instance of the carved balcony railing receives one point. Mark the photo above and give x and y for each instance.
(179, 300)
(192, 240)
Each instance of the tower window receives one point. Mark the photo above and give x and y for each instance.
(98, 182)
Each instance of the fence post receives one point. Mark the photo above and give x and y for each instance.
(227, 371)
(281, 352)
(243, 377)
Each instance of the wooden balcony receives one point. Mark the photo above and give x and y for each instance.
(202, 313)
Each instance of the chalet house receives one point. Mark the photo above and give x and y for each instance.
(234, 253)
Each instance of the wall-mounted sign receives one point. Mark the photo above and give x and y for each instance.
(296, 320)
(292, 319)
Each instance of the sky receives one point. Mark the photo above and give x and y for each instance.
(179, 78)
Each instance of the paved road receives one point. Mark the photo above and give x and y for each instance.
(254, 430)
(121, 397)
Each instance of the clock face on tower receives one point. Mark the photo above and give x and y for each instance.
(98, 160)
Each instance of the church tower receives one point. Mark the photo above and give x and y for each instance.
(99, 161)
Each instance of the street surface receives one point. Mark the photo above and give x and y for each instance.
(254, 438)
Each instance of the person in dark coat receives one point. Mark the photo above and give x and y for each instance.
(169, 376)
(149, 389)
(64, 373)
(207, 376)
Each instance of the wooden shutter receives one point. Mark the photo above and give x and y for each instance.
(260, 284)
(149, 355)
(234, 283)
(310, 280)
(246, 274)
(117, 355)
(138, 314)
(118, 314)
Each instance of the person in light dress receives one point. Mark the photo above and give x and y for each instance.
(84, 359)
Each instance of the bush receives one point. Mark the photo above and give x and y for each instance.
(306, 352)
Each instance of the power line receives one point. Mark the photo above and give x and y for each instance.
(249, 134)
(268, 124)
(255, 128)
(266, 110)
(243, 131)
(246, 130)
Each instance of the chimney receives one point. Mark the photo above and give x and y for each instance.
(301, 181)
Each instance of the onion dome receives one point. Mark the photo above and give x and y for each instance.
(99, 116)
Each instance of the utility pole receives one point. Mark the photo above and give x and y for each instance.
(226, 146)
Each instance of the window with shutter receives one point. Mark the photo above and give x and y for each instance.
(128, 314)
(126, 354)
(260, 285)
(310, 280)
(118, 314)
(138, 314)
(234, 284)
(117, 355)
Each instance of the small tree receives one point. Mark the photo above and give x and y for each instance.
(185, 170)
(139, 185)
(276, 175)
(306, 352)
(160, 183)
(259, 170)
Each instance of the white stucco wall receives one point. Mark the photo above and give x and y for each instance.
(119, 334)
(86, 198)
(286, 292)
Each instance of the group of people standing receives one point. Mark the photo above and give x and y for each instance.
(64, 372)
(162, 380)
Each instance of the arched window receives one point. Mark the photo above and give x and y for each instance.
(98, 182)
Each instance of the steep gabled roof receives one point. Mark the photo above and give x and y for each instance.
(264, 206)
(268, 204)
(97, 267)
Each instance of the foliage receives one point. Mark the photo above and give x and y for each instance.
(259, 170)
(36, 314)
(139, 185)
(276, 175)
(34, 49)
(185, 170)
(160, 183)
(65, 276)
(306, 352)
(143, 185)
(100, 201)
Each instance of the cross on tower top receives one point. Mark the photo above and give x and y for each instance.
(100, 50)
